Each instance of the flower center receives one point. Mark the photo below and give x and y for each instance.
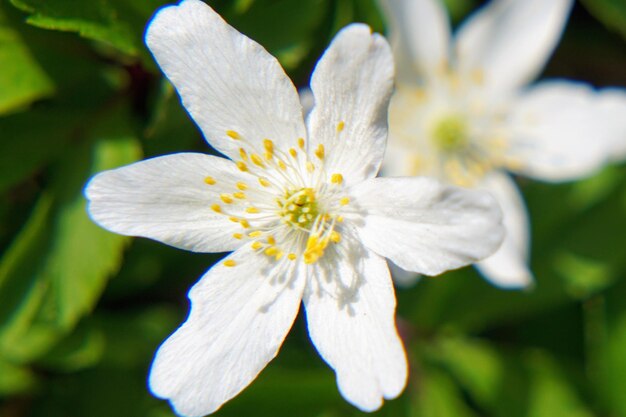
(299, 208)
(450, 133)
(296, 222)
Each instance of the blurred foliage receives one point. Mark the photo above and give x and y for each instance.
(82, 310)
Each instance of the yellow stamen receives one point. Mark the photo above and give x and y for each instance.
(339, 219)
(264, 182)
(242, 166)
(309, 166)
(210, 180)
(242, 186)
(319, 152)
(256, 233)
(257, 245)
(230, 263)
(335, 237)
(216, 208)
(344, 201)
(257, 160)
(271, 251)
(244, 223)
(336, 178)
(271, 240)
(293, 152)
(243, 154)
(233, 219)
(252, 210)
(301, 143)
(292, 256)
(282, 165)
(237, 235)
(268, 145)
(233, 135)
(226, 198)
(340, 126)
(279, 255)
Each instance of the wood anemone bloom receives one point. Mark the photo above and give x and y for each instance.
(463, 111)
(298, 205)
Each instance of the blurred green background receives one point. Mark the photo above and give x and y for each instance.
(83, 310)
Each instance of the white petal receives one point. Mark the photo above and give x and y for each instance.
(227, 82)
(507, 268)
(557, 133)
(612, 113)
(350, 310)
(239, 318)
(425, 226)
(167, 199)
(509, 41)
(419, 32)
(352, 84)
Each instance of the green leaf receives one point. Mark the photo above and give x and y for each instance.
(438, 396)
(613, 366)
(510, 384)
(612, 13)
(57, 267)
(33, 139)
(22, 80)
(14, 379)
(115, 22)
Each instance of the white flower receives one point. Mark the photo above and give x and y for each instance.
(462, 111)
(299, 206)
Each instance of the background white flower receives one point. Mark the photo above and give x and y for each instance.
(299, 205)
(463, 112)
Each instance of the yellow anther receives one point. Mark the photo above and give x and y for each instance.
(237, 235)
(234, 219)
(268, 145)
(344, 201)
(252, 210)
(292, 256)
(336, 178)
(319, 152)
(233, 135)
(239, 195)
(268, 156)
(293, 152)
(314, 249)
(271, 240)
(242, 166)
(243, 154)
(256, 245)
(226, 198)
(309, 166)
(216, 208)
(340, 126)
(301, 143)
(271, 251)
(264, 182)
(282, 165)
(256, 233)
(244, 223)
(335, 237)
(210, 180)
(257, 160)
(242, 186)
(279, 255)
(230, 263)
(339, 219)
